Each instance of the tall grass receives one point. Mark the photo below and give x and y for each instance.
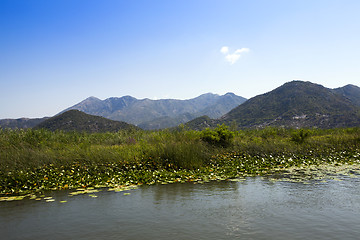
(22, 149)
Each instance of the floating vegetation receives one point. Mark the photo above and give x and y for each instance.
(297, 174)
(80, 191)
(237, 179)
(123, 188)
(11, 198)
(316, 173)
(83, 191)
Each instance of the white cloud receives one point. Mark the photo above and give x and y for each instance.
(224, 50)
(233, 57)
(241, 50)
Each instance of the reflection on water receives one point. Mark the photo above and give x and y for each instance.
(254, 209)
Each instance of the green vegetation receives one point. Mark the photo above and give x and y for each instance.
(34, 161)
(300, 136)
(220, 136)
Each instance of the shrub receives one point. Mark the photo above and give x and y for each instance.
(220, 136)
(300, 136)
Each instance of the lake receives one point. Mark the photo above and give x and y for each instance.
(253, 208)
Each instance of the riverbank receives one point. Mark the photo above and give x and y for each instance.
(35, 161)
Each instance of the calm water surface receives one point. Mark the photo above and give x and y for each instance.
(253, 209)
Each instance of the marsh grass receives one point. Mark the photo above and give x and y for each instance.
(36, 160)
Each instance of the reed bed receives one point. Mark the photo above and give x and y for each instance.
(41, 160)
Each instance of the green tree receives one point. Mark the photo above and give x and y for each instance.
(300, 136)
(220, 136)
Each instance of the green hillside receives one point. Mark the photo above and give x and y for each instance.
(201, 123)
(296, 104)
(74, 120)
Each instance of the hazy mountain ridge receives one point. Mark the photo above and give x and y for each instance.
(21, 122)
(163, 113)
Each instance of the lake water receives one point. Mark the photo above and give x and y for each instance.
(254, 209)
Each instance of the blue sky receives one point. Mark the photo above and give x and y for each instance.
(53, 54)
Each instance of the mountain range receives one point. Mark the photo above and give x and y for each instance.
(295, 104)
(158, 114)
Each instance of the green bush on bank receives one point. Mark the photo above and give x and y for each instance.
(220, 136)
(299, 136)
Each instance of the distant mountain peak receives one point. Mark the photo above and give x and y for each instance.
(207, 95)
(92, 98)
(349, 86)
(89, 101)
